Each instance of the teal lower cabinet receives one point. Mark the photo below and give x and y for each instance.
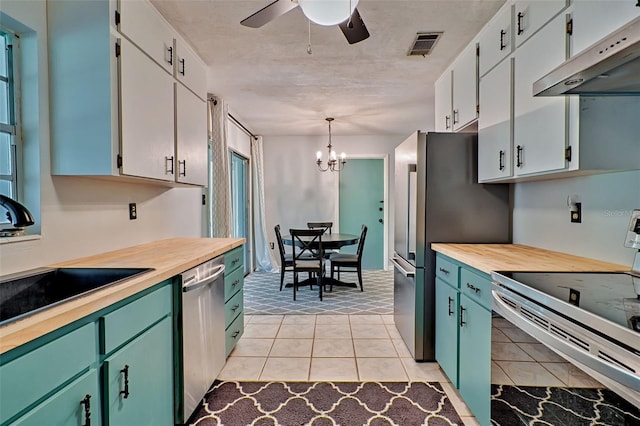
(463, 332)
(234, 297)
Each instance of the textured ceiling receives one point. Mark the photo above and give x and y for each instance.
(276, 88)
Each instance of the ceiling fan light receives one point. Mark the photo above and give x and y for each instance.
(328, 12)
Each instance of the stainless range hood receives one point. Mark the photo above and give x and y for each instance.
(609, 67)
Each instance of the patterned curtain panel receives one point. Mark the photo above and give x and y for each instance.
(265, 258)
(219, 184)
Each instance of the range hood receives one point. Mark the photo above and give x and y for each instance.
(609, 67)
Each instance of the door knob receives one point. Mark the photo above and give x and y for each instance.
(380, 220)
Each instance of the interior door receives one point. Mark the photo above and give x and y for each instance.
(240, 224)
(361, 201)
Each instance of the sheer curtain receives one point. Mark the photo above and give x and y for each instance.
(265, 260)
(219, 215)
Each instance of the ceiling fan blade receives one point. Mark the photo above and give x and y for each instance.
(354, 29)
(269, 13)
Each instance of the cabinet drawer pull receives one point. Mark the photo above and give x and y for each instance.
(234, 261)
(520, 29)
(170, 50)
(450, 309)
(87, 409)
(462, 322)
(444, 271)
(447, 122)
(168, 169)
(182, 63)
(503, 45)
(456, 118)
(501, 160)
(519, 152)
(184, 167)
(235, 334)
(125, 392)
(473, 288)
(235, 308)
(235, 283)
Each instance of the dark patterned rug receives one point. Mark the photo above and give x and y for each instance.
(325, 403)
(532, 405)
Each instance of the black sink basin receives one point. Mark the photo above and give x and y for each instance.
(30, 292)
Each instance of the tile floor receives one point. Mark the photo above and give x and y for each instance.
(330, 347)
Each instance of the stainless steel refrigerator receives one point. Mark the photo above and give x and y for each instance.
(437, 199)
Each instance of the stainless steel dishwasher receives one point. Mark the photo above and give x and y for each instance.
(203, 339)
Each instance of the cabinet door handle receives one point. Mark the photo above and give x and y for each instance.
(182, 63)
(125, 392)
(235, 334)
(184, 167)
(519, 153)
(501, 160)
(170, 50)
(235, 308)
(455, 116)
(473, 288)
(462, 322)
(168, 170)
(520, 29)
(447, 122)
(87, 409)
(444, 271)
(450, 308)
(503, 45)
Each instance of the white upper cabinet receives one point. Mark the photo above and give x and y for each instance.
(147, 29)
(190, 69)
(191, 137)
(465, 88)
(595, 19)
(531, 15)
(443, 103)
(496, 39)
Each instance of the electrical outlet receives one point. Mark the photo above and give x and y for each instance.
(133, 211)
(576, 213)
(271, 245)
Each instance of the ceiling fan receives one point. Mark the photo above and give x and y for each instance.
(323, 12)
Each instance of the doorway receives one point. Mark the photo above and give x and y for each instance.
(240, 205)
(362, 201)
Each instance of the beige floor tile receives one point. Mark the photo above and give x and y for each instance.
(374, 348)
(540, 352)
(299, 319)
(508, 352)
(517, 335)
(343, 369)
(247, 319)
(365, 319)
(266, 319)
(296, 331)
(401, 348)
(369, 331)
(498, 336)
(242, 368)
(252, 347)
(469, 421)
(456, 401)
(333, 331)
(260, 331)
(529, 374)
(423, 371)
(381, 369)
(498, 376)
(296, 348)
(393, 331)
(332, 319)
(296, 369)
(501, 323)
(571, 375)
(388, 319)
(333, 348)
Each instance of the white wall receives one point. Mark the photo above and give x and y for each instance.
(80, 216)
(296, 192)
(541, 216)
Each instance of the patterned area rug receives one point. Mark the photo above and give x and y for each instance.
(325, 403)
(262, 295)
(531, 405)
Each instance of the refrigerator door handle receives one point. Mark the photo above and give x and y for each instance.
(402, 270)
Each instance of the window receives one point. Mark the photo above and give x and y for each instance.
(9, 135)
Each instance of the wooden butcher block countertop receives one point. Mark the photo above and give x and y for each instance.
(515, 257)
(168, 258)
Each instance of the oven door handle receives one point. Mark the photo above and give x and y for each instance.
(607, 369)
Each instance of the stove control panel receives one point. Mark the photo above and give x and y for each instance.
(633, 235)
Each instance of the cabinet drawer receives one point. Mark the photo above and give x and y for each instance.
(477, 287)
(233, 334)
(32, 376)
(233, 260)
(233, 282)
(233, 307)
(125, 323)
(447, 271)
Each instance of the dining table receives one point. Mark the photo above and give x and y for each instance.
(329, 242)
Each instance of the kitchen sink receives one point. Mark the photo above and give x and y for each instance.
(30, 292)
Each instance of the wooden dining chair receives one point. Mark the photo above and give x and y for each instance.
(307, 256)
(351, 261)
(321, 225)
(286, 259)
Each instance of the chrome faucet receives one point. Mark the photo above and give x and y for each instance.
(18, 214)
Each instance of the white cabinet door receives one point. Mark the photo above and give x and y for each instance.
(190, 70)
(539, 122)
(443, 102)
(147, 29)
(465, 85)
(146, 116)
(530, 15)
(191, 134)
(495, 159)
(495, 40)
(595, 19)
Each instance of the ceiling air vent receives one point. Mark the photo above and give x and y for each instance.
(424, 43)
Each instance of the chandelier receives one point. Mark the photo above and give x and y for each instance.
(333, 163)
